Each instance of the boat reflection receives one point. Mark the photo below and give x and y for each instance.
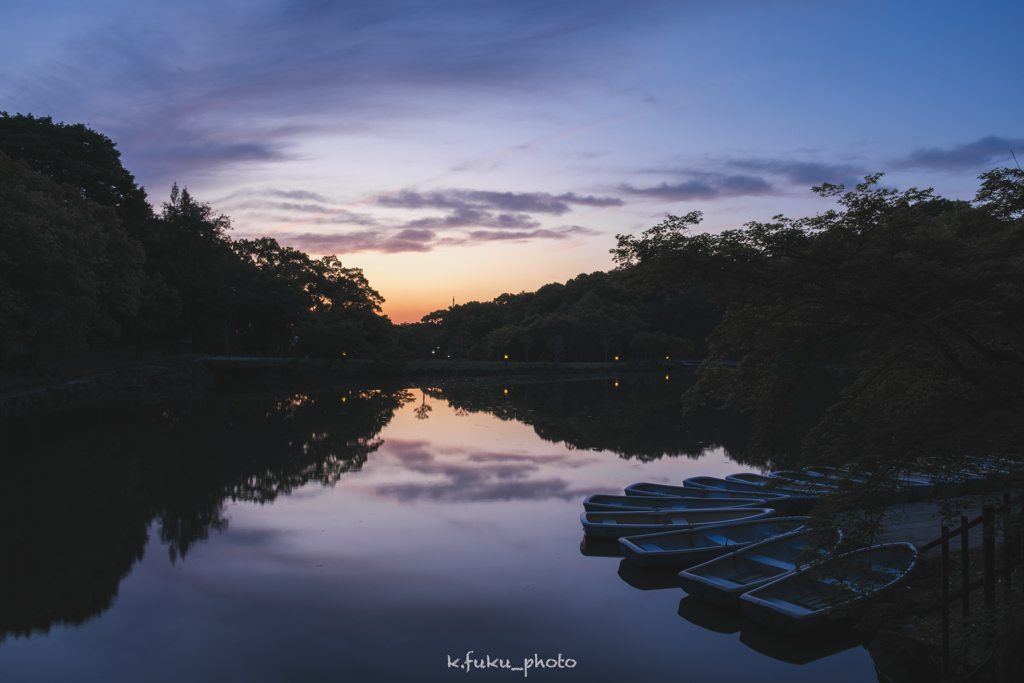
(648, 579)
(600, 547)
(802, 649)
(798, 650)
(711, 617)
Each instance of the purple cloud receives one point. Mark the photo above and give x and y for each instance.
(804, 172)
(705, 186)
(987, 151)
(469, 200)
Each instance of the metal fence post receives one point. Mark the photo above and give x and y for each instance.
(988, 528)
(945, 601)
(965, 568)
(1007, 545)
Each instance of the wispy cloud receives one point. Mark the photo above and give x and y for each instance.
(526, 202)
(805, 173)
(207, 86)
(705, 186)
(396, 240)
(985, 151)
(471, 217)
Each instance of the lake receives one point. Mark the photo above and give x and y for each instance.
(365, 534)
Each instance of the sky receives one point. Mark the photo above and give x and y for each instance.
(465, 148)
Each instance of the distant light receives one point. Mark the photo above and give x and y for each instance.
(342, 399)
(506, 356)
(616, 384)
(616, 358)
(506, 391)
(666, 357)
(666, 376)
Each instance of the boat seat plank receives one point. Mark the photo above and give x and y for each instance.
(790, 607)
(748, 577)
(811, 602)
(770, 562)
(720, 539)
(727, 584)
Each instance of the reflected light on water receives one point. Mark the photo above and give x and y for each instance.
(367, 536)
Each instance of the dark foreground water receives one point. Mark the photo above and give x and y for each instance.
(363, 536)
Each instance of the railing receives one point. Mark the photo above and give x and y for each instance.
(987, 580)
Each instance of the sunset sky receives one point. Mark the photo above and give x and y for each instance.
(458, 148)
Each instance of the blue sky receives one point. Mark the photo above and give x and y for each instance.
(471, 148)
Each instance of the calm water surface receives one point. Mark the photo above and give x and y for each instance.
(363, 535)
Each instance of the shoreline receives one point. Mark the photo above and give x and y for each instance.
(113, 378)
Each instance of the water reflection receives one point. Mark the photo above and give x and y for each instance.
(78, 497)
(640, 419)
(798, 650)
(710, 617)
(600, 547)
(465, 474)
(302, 530)
(648, 579)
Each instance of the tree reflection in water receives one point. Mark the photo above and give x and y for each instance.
(79, 491)
(641, 418)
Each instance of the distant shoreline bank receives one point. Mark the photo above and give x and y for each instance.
(114, 379)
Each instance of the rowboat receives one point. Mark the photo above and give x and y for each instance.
(905, 486)
(696, 546)
(833, 475)
(603, 503)
(646, 489)
(810, 597)
(724, 484)
(724, 580)
(802, 478)
(619, 524)
(786, 501)
(780, 482)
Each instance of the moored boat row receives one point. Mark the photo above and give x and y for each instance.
(732, 548)
(619, 524)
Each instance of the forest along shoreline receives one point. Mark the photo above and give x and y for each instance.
(111, 376)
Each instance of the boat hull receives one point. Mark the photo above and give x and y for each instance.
(724, 580)
(785, 501)
(811, 598)
(620, 524)
(604, 503)
(688, 548)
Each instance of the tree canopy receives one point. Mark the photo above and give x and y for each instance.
(76, 155)
(912, 301)
(69, 274)
(592, 317)
(87, 262)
